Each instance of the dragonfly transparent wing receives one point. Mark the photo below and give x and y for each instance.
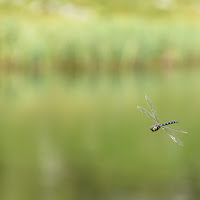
(176, 129)
(152, 108)
(173, 136)
(147, 113)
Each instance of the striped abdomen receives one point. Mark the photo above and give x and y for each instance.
(170, 122)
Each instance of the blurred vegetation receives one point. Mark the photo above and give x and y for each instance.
(107, 7)
(98, 46)
(71, 76)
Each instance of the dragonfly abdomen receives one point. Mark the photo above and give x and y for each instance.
(170, 122)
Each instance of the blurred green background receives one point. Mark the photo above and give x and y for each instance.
(71, 76)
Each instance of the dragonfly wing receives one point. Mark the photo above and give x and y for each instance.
(176, 129)
(153, 110)
(146, 112)
(173, 137)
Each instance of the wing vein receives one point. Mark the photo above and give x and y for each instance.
(176, 129)
(153, 110)
(147, 113)
(173, 137)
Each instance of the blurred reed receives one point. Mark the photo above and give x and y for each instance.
(97, 47)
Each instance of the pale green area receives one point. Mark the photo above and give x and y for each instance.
(70, 84)
(86, 139)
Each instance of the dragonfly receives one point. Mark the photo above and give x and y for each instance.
(157, 125)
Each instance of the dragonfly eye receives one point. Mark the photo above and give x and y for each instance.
(153, 128)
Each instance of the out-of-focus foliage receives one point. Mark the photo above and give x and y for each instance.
(106, 7)
(98, 46)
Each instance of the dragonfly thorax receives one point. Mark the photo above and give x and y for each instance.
(155, 127)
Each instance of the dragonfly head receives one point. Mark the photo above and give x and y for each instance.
(155, 127)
